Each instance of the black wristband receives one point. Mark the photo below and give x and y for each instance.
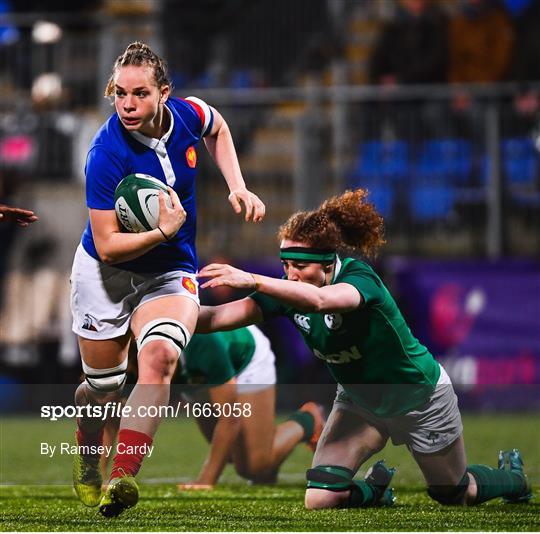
(163, 233)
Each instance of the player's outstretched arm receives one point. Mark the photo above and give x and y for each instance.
(302, 296)
(223, 438)
(22, 217)
(220, 144)
(229, 316)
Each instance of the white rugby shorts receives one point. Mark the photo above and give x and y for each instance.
(103, 298)
(260, 372)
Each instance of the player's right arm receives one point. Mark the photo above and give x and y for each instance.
(224, 436)
(115, 246)
(229, 316)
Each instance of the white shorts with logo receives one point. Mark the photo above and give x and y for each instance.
(260, 372)
(428, 429)
(103, 298)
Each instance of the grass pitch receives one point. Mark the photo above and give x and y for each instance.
(35, 491)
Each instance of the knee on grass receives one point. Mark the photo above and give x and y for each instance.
(450, 495)
(257, 468)
(319, 499)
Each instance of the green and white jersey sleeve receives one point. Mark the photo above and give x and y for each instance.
(371, 350)
(215, 358)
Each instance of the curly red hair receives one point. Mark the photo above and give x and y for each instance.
(343, 222)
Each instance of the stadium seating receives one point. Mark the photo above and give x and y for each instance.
(380, 160)
(441, 173)
(445, 159)
(383, 197)
(431, 202)
(519, 160)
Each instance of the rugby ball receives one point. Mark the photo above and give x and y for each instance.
(136, 202)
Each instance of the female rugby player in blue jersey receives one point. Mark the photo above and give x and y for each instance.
(389, 385)
(140, 285)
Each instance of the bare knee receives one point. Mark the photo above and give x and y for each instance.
(255, 467)
(318, 499)
(157, 362)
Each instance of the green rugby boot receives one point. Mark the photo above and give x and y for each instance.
(122, 493)
(87, 479)
(511, 461)
(379, 476)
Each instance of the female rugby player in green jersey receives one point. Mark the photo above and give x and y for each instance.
(389, 385)
(233, 375)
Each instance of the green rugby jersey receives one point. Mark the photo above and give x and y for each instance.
(216, 358)
(371, 350)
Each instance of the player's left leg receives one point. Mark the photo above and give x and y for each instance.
(445, 472)
(163, 327)
(451, 481)
(434, 434)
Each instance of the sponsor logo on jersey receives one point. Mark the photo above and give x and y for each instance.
(191, 157)
(343, 356)
(88, 323)
(333, 320)
(302, 321)
(189, 284)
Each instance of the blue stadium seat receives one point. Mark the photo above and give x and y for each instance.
(429, 203)
(445, 159)
(241, 79)
(378, 160)
(519, 160)
(382, 196)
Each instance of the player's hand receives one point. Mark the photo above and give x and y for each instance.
(21, 216)
(226, 275)
(194, 486)
(254, 206)
(170, 219)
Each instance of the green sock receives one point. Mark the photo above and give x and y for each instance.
(306, 421)
(493, 483)
(363, 494)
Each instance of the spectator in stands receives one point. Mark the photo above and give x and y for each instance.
(412, 49)
(525, 67)
(480, 42)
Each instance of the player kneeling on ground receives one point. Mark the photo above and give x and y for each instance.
(389, 385)
(236, 368)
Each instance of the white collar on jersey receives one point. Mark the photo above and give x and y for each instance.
(336, 269)
(156, 144)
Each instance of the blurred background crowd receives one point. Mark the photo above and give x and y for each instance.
(431, 105)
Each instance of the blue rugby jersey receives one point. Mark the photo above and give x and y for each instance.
(115, 152)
